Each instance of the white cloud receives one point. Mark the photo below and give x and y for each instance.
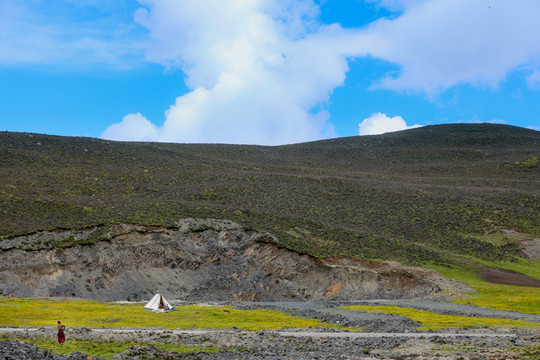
(69, 34)
(256, 68)
(442, 43)
(379, 123)
(134, 127)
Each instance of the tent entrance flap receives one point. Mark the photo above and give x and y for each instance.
(158, 303)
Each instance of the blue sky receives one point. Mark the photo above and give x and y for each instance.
(265, 71)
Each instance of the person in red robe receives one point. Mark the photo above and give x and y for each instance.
(61, 336)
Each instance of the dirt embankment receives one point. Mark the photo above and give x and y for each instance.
(198, 260)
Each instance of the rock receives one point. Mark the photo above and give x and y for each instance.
(17, 350)
(203, 260)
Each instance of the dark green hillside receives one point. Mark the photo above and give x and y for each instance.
(418, 195)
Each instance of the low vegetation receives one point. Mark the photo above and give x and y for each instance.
(497, 296)
(42, 312)
(414, 196)
(106, 349)
(449, 197)
(434, 321)
(454, 198)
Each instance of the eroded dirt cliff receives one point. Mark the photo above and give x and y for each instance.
(199, 260)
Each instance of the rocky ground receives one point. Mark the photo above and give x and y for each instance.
(382, 337)
(202, 260)
(17, 350)
(220, 262)
(274, 345)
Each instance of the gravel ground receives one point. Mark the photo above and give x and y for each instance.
(384, 337)
(276, 345)
(331, 312)
(442, 307)
(17, 350)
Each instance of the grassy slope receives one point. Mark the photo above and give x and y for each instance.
(496, 296)
(431, 195)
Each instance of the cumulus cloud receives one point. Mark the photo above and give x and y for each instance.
(256, 69)
(379, 123)
(134, 127)
(442, 43)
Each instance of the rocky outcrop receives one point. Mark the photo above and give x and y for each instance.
(198, 260)
(14, 349)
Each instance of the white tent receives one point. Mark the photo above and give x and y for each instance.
(158, 303)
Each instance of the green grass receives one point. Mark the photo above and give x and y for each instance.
(500, 238)
(525, 266)
(391, 196)
(105, 349)
(504, 297)
(515, 352)
(41, 312)
(433, 195)
(433, 321)
(497, 296)
(72, 313)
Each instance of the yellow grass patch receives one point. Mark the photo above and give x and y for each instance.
(498, 296)
(41, 312)
(433, 321)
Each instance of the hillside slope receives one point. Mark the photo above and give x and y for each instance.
(419, 196)
(202, 260)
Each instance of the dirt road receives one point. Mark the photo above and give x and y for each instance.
(277, 333)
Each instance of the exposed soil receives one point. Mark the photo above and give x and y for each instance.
(217, 261)
(294, 344)
(384, 337)
(201, 260)
(531, 248)
(507, 277)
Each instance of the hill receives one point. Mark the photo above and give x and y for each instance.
(430, 195)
